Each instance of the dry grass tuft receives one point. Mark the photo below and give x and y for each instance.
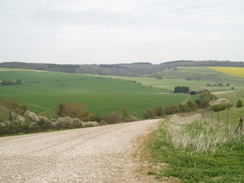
(197, 134)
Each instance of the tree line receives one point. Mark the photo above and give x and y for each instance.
(11, 82)
(207, 102)
(133, 69)
(161, 111)
(16, 118)
(181, 89)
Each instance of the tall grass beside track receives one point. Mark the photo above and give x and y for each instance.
(197, 135)
(198, 151)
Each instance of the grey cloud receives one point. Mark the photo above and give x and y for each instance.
(134, 24)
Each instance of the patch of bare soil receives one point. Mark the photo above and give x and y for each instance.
(146, 164)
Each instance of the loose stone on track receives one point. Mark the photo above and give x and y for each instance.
(98, 154)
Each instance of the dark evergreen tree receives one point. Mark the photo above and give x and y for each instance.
(239, 104)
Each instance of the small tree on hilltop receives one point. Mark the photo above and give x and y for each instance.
(239, 104)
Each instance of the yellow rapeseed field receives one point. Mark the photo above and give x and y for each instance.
(233, 71)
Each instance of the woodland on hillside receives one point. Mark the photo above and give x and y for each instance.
(133, 69)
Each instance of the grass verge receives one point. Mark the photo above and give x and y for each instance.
(198, 151)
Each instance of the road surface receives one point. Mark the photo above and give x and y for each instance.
(99, 154)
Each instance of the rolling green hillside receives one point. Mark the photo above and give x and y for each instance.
(196, 78)
(44, 91)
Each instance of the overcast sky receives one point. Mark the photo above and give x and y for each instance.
(121, 31)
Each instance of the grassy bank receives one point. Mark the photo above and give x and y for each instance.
(198, 150)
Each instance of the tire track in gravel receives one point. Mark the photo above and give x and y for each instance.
(98, 154)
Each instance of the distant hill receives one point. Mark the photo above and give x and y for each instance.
(192, 63)
(133, 69)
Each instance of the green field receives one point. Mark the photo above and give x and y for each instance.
(198, 78)
(44, 91)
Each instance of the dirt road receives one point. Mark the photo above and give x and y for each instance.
(98, 154)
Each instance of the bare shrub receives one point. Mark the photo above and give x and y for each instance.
(148, 114)
(74, 110)
(159, 111)
(126, 116)
(13, 106)
(76, 123)
(112, 118)
(63, 123)
(44, 123)
(3, 116)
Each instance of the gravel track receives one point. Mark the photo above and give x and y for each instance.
(99, 154)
